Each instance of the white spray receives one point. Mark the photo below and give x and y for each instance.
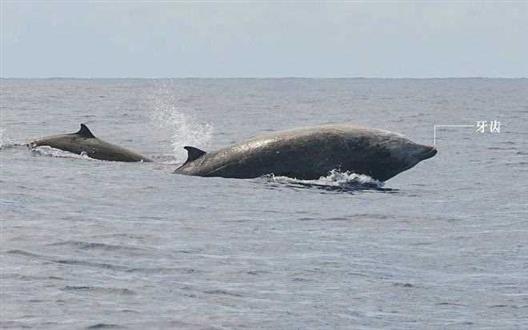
(179, 123)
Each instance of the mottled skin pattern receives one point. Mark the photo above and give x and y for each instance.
(310, 153)
(84, 142)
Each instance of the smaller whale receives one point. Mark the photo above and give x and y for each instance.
(84, 142)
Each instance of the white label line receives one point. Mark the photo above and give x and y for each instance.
(438, 126)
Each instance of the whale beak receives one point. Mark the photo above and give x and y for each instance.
(427, 152)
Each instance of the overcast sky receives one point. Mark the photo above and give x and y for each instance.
(221, 39)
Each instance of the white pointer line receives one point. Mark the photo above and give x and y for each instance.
(436, 126)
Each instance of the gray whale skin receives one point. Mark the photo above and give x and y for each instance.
(309, 153)
(84, 141)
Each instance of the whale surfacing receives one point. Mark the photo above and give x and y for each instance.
(309, 153)
(84, 142)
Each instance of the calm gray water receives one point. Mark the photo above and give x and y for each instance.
(95, 244)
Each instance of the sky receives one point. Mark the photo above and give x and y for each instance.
(263, 39)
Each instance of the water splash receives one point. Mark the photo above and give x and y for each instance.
(334, 181)
(178, 122)
(6, 142)
(52, 152)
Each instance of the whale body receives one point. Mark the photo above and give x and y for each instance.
(309, 153)
(84, 142)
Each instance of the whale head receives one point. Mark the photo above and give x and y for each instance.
(397, 154)
(423, 152)
(407, 154)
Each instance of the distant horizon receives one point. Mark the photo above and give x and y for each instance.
(255, 77)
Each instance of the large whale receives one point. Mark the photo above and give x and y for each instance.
(84, 142)
(309, 153)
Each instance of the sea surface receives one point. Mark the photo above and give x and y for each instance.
(95, 244)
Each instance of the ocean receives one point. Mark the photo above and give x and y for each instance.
(96, 244)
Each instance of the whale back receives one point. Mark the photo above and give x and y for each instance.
(309, 153)
(85, 142)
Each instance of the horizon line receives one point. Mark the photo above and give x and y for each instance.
(254, 77)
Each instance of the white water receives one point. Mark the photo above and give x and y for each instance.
(335, 180)
(179, 123)
(52, 152)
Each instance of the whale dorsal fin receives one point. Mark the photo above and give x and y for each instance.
(85, 132)
(193, 153)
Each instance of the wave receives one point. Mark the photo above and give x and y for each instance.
(101, 265)
(52, 152)
(105, 326)
(73, 262)
(82, 245)
(98, 289)
(335, 181)
(166, 159)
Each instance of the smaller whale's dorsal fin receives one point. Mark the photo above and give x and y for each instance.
(85, 132)
(193, 153)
